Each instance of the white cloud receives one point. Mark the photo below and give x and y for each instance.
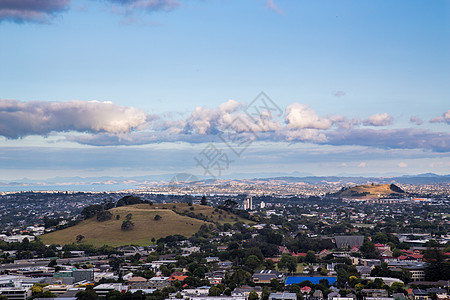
(301, 116)
(362, 165)
(383, 119)
(445, 118)
(402, 165)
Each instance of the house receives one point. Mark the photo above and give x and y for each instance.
(283, 250)
(374, 293)
(419, 294)
(245, 290)
(323, 253)
(103, 289)
(364, 271)
(265, 276)
(173, 278)
(439, 292)
(210, 259)
(370, 262)
(136, 279)
(15, 293)
(318, 295)
(305, 290)
(200, 291)
(300, 254)
(387, 280)
(283, 296)
(348, 241)
(158, 282)
(333, 295)
(216, 298)
(225, 264)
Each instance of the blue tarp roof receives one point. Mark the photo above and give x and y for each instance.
(315, 280)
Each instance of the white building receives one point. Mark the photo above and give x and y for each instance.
(248, 205)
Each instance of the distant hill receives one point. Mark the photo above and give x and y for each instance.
(370, 191)
(146, 227)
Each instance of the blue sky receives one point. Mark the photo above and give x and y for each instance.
(362, 85)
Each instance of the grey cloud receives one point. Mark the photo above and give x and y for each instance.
(130, 6)
(339, 93)
(416, 120)
(19, 119)
(37, 11)
(391, 139)
(270, 4)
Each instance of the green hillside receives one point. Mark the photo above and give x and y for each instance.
(146, 227)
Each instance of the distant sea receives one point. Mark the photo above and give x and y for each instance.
(74, 188)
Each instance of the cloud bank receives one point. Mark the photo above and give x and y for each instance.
(19, 119)
(37, 11)
(107, 124)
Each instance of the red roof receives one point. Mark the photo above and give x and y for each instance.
(380, 245)
(175, 278)
(299, 254)
(305, 289)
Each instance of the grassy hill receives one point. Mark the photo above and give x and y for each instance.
(146, 227)
(370, 191)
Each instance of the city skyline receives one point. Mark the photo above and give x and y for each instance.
(130, 88)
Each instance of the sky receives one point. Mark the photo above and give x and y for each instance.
(218, 87)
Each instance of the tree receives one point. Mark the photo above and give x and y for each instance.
(104, 216)
(265, 293)
(397, 252)
(252, 262)
(129, 200)
(368, 249)
(79, 238)
(88, 294)
(310, 257)
(203, 201)
(52, 263)
(253, 295)
(288, 262)
(127, 225)
(438, 269)
(215, 291)
(241, 277)
(91, 210)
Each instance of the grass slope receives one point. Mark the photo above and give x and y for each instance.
(369, 191)
(145, 227)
